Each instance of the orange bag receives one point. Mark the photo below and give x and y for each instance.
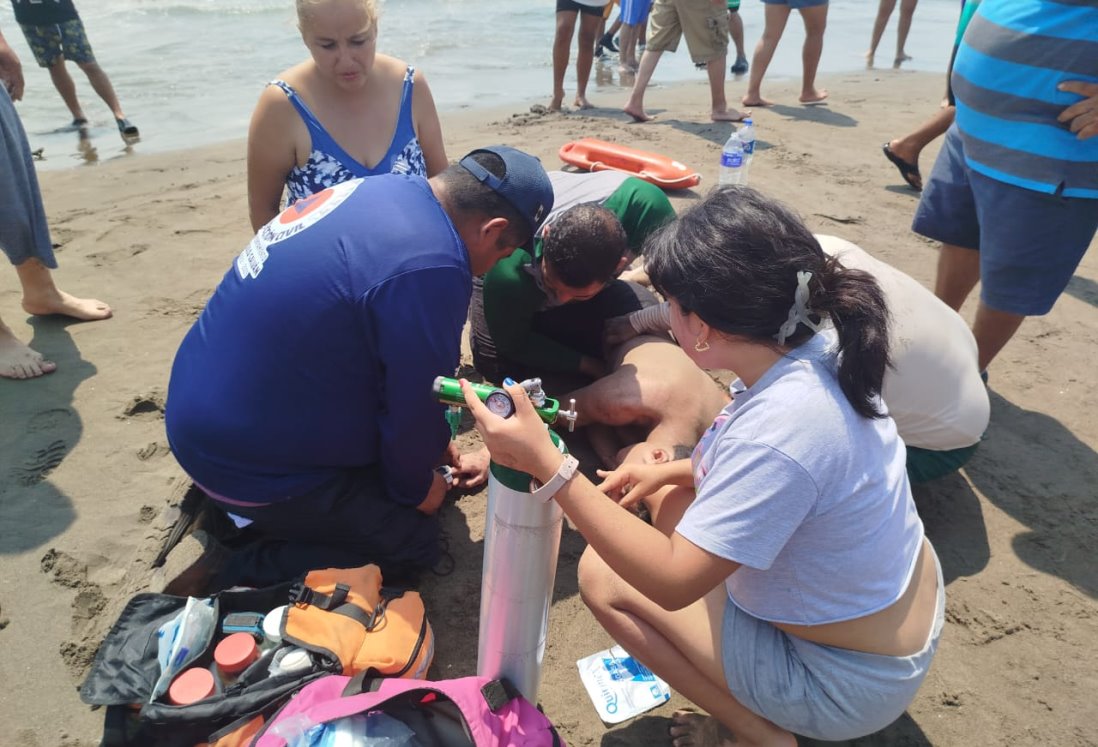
(347, 616)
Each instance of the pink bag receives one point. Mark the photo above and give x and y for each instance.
(466, 712)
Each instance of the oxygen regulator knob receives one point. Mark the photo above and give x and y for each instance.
(570, 415)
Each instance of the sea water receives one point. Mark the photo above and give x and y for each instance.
(188, 72)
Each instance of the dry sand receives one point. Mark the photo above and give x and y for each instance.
(86, 475)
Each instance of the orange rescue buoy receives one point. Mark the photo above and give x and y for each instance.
(591, 154)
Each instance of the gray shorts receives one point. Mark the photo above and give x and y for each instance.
(819, 691)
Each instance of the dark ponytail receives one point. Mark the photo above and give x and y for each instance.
(859, 313)
(733, 260)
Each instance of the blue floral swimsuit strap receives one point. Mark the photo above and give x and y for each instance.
(330, 164)
(405, 132)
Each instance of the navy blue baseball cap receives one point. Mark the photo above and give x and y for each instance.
(525, 184)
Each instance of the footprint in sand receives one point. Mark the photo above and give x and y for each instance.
(64, 569)
(145, 406)
(50, 419)
(40, 463)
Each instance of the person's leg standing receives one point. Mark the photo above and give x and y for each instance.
(814, 15)
(25, 240)
(585, 56)
(1030, 245)
(46, 45)
(663, 35)
(884, 12)
(947, 213)
(907, 11)
(705, 28)
(735, 31)
(78, 49)
(776, 16)
(562, 47)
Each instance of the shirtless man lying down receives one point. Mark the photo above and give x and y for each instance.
(655, 395)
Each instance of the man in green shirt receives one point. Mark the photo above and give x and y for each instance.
(543, 313)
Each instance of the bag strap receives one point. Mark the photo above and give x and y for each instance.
(302, 594)
(496, 693)
(499, 693)
(370, 620)
(365, 681)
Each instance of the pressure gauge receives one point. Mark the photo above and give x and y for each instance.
(500, 402)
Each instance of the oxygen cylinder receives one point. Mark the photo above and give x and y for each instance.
(521, 542)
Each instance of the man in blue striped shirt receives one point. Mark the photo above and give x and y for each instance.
(1014, 192)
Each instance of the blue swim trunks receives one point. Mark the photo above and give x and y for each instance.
(50, 43)
(1029, 242)
(635, 12)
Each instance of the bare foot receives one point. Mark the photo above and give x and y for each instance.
(729, 115)
(869, 60)
(813, 96)
(583, 103)
(696, 730)
(555, 103)
(691, 729)
(638, 115)
(60, 302)
(17, 361)
(755, 101)
(900, 59)
(628, 67)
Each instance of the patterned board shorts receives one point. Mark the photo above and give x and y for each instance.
(49, 43)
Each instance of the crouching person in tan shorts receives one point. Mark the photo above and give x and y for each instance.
(704, 23)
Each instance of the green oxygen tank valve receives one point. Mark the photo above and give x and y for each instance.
(448, 391)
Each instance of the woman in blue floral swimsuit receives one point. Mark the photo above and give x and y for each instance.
(346, 112)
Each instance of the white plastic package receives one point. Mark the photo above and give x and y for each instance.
(181, 639)
(619, 686)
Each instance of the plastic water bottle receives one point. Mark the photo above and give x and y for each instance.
(731, 160)
(747, 137)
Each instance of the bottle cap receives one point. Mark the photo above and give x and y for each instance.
(295, 660)
(191, 686)
(235, 653)
(272, 625)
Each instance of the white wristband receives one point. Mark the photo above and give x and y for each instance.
(565, 473)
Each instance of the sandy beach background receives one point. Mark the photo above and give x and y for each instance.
(86, 476)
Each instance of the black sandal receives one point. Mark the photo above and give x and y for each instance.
(127, 128)
(909, 171)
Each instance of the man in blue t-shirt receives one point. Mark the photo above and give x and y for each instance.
(301, 398)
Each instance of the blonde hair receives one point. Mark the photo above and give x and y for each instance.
(305, 7)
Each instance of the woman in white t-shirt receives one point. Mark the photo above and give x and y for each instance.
(785, 585)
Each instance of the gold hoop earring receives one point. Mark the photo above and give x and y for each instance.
(700, 346)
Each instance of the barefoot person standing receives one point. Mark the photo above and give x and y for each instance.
(814, 15)
(704, 23)
(589, 13)
(24, 235)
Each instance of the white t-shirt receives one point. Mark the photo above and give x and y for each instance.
(809, 496)
(933, 391)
